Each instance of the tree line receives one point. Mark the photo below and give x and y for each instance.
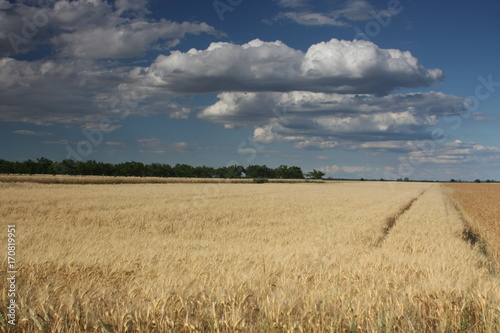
(137, 169)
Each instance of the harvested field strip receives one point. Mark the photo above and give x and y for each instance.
(480, 207)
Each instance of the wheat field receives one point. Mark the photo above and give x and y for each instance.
(306, 257)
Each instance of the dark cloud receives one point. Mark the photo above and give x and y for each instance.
(90, 29)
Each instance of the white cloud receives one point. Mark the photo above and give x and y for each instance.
(308, 18)
(354, 169)
(316, 143)
(389, 145)
(387, 122)
(159, 146)
(132, 6)
(182, 113)
(456, 152)
(335, 66)
(115, 144)
(153, 151)
(246, 151)
(31, 133)
(181, 145)
(266, 134)
(356, 10)
(150, 142)
(106, 127)
(273, 132)
(350, 11)
(58, 142)
(292, 3)
(330, 169)
(333, 169)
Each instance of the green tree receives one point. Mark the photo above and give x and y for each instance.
(285, 172)
(259, 171)
(183, 170)
(234, 171)
(294, 172)
(159, 170)
(43, 165)
(7, 167)
(315, 174)
(29, 167)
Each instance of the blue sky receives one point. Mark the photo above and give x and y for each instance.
(354, 88)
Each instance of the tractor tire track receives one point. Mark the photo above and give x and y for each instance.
(392, 220)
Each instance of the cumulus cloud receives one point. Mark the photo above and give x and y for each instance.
(239, 109)
(321, 121)
(85, 91)
(325, 121)
(335, 66)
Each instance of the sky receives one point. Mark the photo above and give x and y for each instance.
(354, 88)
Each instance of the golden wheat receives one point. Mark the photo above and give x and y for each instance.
(327, 257)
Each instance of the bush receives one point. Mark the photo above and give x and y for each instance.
(260, 180)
